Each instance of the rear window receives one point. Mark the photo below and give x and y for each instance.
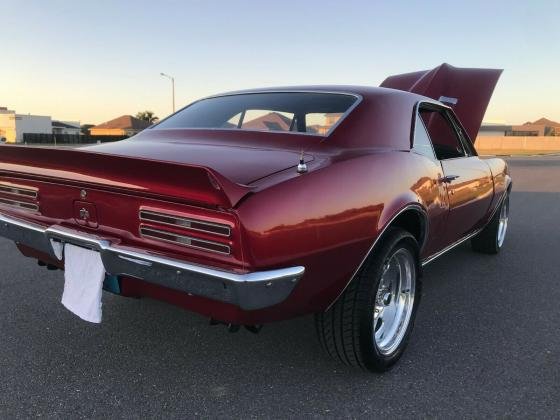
(298, 112)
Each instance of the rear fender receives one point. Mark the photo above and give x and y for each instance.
(328, 221)
(415, 207)
(502, 183)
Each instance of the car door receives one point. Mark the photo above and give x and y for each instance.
(466, 177)
(433, 193)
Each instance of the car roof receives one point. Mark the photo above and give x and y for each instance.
(364, 91)
(381, 119)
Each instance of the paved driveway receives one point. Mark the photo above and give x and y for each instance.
(486, 342)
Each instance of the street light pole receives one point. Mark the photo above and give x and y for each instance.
(172, 87)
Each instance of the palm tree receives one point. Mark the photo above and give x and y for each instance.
(147, 116)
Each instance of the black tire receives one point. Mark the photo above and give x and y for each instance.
(346, 330)
(488, 240)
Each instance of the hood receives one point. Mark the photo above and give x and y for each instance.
(466, 90)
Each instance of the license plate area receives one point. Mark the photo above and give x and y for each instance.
(84, 275)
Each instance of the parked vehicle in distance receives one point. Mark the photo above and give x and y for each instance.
(262, 205)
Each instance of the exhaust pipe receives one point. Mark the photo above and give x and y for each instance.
(50, 267)
(233, 328)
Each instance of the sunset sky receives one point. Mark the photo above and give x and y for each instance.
(94, 61)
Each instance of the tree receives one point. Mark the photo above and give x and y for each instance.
(147, 116)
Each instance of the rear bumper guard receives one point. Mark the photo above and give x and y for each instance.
(250, 291)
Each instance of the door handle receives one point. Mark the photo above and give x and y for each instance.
(448, 179)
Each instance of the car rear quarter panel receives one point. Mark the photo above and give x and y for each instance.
(502, 181)
(328, 219)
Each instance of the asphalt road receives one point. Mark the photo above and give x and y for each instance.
(486, 342)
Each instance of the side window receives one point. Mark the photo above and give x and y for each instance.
(447, 145)
(422, 142)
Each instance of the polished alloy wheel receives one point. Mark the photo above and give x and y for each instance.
(369, 324)
(503, 222)
(394, 301)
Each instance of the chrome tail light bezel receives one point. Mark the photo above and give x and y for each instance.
(184, 222)
(17, 196)
(186, 230)
(184, 240)
(24, 205)
(18, 190)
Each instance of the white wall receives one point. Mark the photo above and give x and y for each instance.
(32, 124)
(514, 143)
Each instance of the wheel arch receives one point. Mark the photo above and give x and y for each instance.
(411, 217)
(414, 220)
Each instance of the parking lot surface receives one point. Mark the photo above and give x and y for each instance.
(486, 342)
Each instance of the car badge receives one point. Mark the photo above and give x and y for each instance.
(84, 214)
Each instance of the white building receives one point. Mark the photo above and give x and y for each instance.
(66, 127)
(13, 126)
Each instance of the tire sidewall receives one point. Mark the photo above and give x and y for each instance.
(505, 202)
(373, 271)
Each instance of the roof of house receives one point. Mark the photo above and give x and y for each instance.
(61, 124)
(542, 121)
(547, 122)
(125, 122)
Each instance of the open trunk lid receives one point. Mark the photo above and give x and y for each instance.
(466, 90)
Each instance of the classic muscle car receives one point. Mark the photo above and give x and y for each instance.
(261, 205)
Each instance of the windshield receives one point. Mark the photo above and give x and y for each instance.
(298, 112)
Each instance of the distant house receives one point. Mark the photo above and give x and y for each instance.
(540, 127)
(66, 127)
(272, 121)
(318, 123)
(126, 125)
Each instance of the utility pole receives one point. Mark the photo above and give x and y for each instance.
(172, 88)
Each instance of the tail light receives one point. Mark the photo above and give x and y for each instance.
(187, 231)
(21, 197)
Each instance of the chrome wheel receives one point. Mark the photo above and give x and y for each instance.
(394, 301)
(503, 222)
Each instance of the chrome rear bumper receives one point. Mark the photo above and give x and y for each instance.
(249, 291)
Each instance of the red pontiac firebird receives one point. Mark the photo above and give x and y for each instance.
(261, 205)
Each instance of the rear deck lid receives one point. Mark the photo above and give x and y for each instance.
(241, 157)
